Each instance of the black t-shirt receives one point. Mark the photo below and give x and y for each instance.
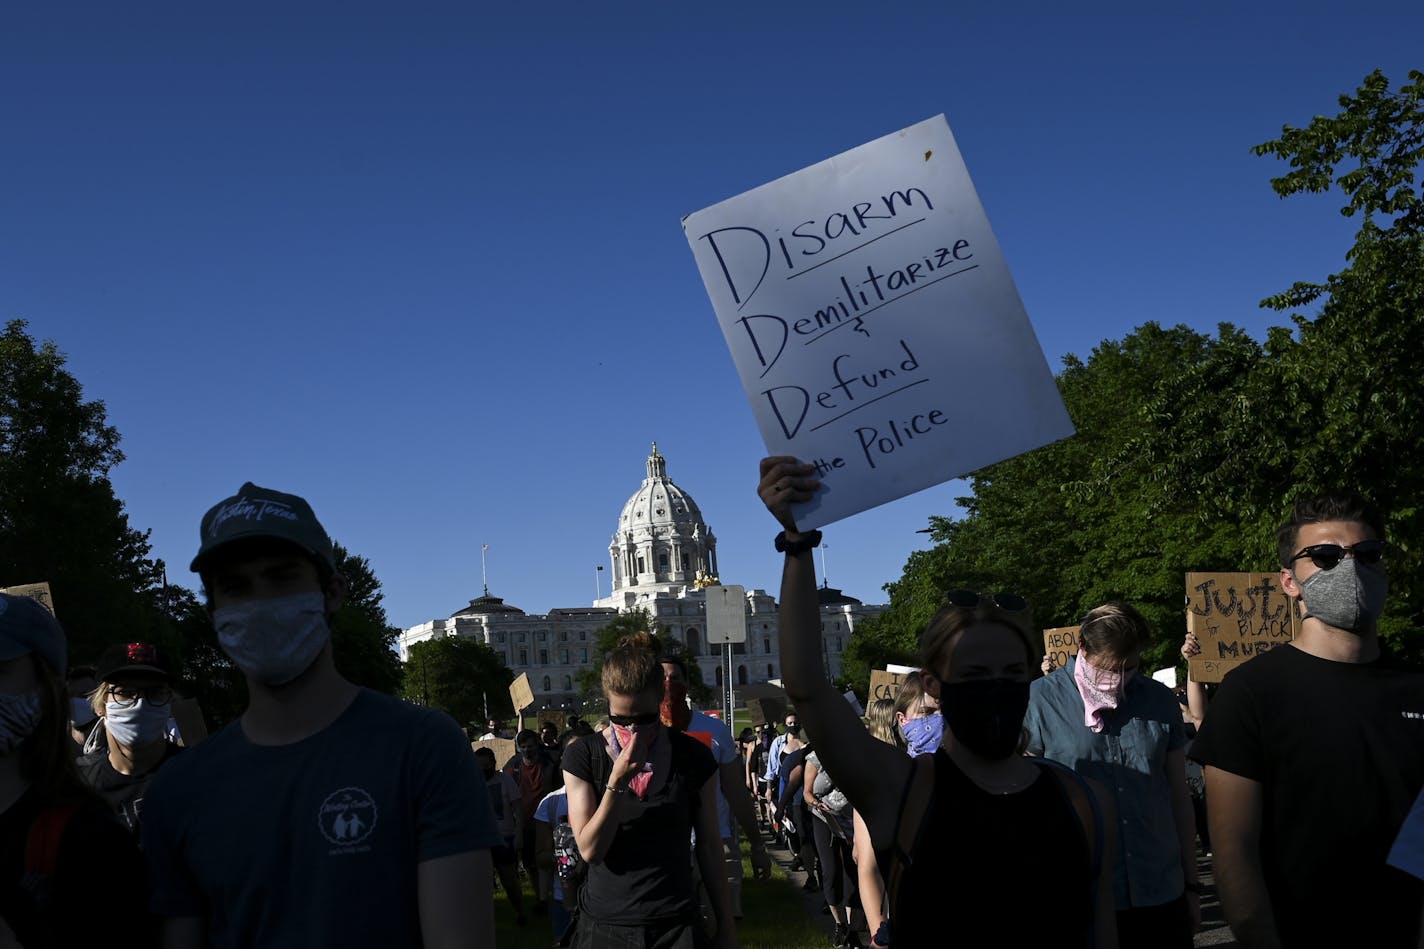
(1338, 749)
(792, 792)
(123, 793)
(980, 853)
(646, 875)
(96, 891)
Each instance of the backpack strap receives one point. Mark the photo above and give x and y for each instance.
(1079, 796)
(42, 848)
(914, 809)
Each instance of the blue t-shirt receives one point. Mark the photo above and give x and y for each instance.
(1129, 757)
(315, 843)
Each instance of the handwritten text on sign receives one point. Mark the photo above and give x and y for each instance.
(874, 323)
(1236, 617)
(885, 685)
(1059, 644)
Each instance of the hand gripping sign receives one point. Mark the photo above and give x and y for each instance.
(874, 323)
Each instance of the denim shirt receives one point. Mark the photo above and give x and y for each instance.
(1129, 758)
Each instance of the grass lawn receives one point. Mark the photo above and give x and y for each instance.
(774, 918)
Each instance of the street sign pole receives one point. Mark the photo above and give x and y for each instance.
(726, 624)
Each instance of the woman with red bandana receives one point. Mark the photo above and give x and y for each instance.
(633, 791)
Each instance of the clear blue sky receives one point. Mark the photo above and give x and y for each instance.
(423, 264)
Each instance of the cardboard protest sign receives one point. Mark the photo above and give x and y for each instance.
(874, 323)
(504, 749)
(39, 592)
(885, 684)
(521, 694)
(189, 716)
(1236, 617)
(1060, 643)
(766, 710)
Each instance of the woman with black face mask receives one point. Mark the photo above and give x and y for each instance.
(962, 833)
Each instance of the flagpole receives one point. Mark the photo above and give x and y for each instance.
(484, 568)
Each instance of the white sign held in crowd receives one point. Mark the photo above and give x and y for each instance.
(874, 323)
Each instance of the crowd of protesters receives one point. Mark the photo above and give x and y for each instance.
(332, 815)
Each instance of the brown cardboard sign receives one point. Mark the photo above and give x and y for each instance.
(885, 684)
(1060, 643)
(766, 710)
(504, 749)
(189, 717)
(39, 592)
(521, 694)
(1236, 617)
(560, 719)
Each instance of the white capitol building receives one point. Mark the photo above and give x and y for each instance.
(661, 554)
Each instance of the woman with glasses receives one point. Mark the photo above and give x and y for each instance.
(135, 701)
(635, 794)
(1098, 716)
(68, 871)
(963, 833)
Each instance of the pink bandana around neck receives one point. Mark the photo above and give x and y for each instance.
(1102, 691)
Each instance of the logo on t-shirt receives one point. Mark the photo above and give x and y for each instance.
(347, 817)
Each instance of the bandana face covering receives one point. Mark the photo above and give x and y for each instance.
(19, 714)
(923, 734)
(1102, 690)
(623, 735)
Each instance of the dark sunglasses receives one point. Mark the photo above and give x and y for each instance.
(1327, 556)
(968, 600)
(624, 721)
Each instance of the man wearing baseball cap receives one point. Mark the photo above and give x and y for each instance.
(327, 815)
(135, 700)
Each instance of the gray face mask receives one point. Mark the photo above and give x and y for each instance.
(1347, 596)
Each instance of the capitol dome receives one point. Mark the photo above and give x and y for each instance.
(661, 543)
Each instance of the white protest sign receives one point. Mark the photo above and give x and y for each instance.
(874, 323)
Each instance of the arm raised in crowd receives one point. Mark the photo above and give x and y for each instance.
(1196, 691)
(871, 773)
(1235, 820)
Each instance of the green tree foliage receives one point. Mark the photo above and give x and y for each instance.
(590, 680)
(363, 641)
(460, 676)
(59, 519)
(1191, 448)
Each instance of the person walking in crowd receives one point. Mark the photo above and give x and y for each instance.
(791, 806)
(1314, 752)
(80, 683)
(558, 849)
(54, 833)
(1098, 716)
(917, 715)
(772, 777)
(134, 698)
(1193, 701)
(323, 800)
(503, 798)
(831, 831)
(734, 804)
(535, 774)
(880, 722)
(632, 794)
(1000, 824)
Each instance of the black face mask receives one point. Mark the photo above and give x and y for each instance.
(986, 715)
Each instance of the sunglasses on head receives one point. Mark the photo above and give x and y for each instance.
(625, 721)
(968, 600)
(1327, 556)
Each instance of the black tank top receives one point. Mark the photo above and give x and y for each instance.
(1014, 868)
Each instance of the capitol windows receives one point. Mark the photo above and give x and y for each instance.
(641, 567)
(741, 675)
(501, 638)
(568, 684)
(548, 684)
(523, 638)
(563, 657)
(838, 644)
(770, 673)
(583, 635)
(685, 565)
(694, 642)
(583, 656)
(766, 645)
(543, 657)
(543, 637)
(524, 657)
(563, 635)
(663, 561)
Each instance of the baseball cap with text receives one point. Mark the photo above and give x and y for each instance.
(261, 512)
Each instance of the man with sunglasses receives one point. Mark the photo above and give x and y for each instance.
(1314, 752)
(134, 701)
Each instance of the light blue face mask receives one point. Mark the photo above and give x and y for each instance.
(273, 641)
(923, 734)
